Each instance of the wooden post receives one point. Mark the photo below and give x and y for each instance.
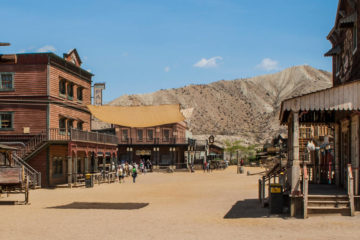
(355, 150)
(96, 158)
(104, 165)
(75, 170)
(295, 161)
(86, 162)
(337, 154)
(69, 171)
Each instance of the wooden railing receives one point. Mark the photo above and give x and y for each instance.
(305, 190)
(34, 176)
(95, 137)
(350, 189)
(155, 141)
(32, 145)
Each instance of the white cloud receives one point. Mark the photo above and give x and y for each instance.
(208, 63)
(47, 48)
(268, 64)
(167, 69)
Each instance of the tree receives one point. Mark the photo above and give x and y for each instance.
(237, 146)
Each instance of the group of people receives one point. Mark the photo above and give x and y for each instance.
(207, 166)
(132, 169)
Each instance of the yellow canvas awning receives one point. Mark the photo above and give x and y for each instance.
(138, 116)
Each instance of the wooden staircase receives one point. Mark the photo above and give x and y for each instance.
(329, 204)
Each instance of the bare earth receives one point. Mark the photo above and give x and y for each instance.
(217, 205)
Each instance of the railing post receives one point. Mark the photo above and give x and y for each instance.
(350, 189)
(305, 191)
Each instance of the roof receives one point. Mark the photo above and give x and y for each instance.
(342, 97)
(138, 116)
(334, 51)
(348, 21)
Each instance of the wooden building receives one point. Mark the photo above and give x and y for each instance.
(155, 133)
(43, 110)
(338, 108)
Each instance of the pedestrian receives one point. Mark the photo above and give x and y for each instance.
(208, 166)
(121, 175)
(134, 174)
(205, 166)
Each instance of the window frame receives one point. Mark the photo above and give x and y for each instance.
(62, 131)
(62, 80)
(122, 134)
(138, 136)
(355, 38)
(70, 89)
(80, 123)
(12, 82)
(163, 135)
(11, 128)
(81, 89)
(147, 134)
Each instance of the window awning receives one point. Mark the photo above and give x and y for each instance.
(334, 51)
(348, 22)
(343, 97)
(138, 116)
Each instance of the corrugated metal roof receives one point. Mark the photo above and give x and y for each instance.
(343, 97)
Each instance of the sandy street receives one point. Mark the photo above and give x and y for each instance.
(217, 205)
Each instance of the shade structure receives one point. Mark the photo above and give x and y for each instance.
(344, 97)
(138, 116)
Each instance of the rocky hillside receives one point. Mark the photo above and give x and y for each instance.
(247, 108)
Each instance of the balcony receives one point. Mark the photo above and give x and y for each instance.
(57, 134)
(153, 141)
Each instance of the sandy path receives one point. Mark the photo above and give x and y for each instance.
(180, 206)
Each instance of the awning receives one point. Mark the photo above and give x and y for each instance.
(343, 97)
(334, 51)
(348, 22)
(138, 116)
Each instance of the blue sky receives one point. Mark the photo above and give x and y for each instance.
(140, 46)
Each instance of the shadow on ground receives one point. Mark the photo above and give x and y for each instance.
(248, 208)
(101, 205)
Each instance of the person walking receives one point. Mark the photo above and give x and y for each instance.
(205, 166)
(134, 174)
(121, 175)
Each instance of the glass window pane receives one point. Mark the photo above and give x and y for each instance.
(6, 81)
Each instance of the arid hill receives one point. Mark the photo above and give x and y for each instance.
(246, 108)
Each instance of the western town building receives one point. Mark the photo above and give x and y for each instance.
(43, 112)
(155, 133)
(338, 108)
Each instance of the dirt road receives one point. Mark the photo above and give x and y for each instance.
(217, 205)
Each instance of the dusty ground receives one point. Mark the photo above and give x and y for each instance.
(219, 205)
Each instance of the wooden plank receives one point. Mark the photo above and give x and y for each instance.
(10, 175)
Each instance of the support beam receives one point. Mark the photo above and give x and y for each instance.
(96, 158)
(75, 170)
(295, 155)
(69, 171)
(86, 162)
(337, 154)
(355, 151)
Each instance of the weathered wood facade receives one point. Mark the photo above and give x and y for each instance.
(43, 100)
(337, 107)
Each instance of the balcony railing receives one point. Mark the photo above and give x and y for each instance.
(58, 134)
(153, 141)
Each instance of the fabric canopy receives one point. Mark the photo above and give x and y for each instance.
(138, 116)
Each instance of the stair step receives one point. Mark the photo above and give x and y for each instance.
(328, 196)
(329, 202)
(328, 208)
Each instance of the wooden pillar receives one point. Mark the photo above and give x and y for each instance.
(295, 160)
(337, 154)
(86, 163)
(104, 164)
(355, 151)
(70, 171)
(96, 158)
(75, 169)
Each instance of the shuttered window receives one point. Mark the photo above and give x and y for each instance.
(6, 81)
(6, 120)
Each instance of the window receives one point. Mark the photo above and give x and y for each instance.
(70, 125)
(57, 165)
(62, 125)
(140, 134)
(80, 125)
(70, 91)
(166, 135)
(124, 135)
(79, 93)
(6, 81)
(62, 87)
(150, 134)
(6, 121)
(355, 33)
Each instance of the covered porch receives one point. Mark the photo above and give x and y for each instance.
(334, 165)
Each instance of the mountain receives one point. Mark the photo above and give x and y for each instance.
(246, 108)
